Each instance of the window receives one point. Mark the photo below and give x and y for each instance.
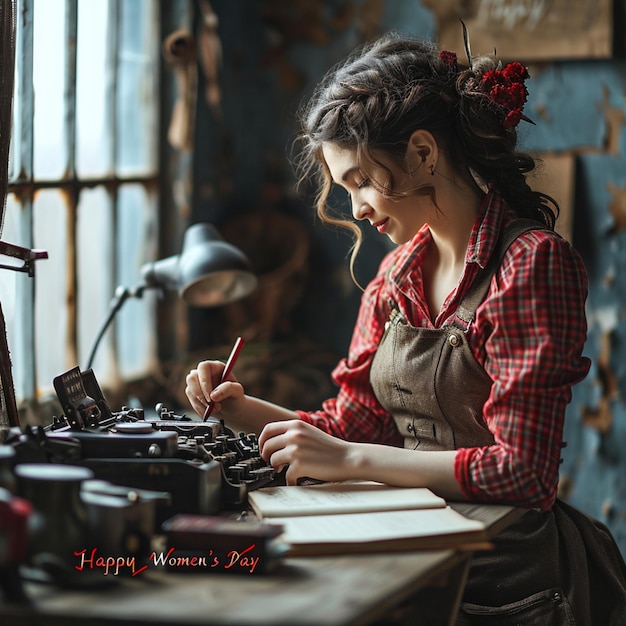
(82, 185)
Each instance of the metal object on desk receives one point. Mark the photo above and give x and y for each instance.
(120, 520)
(57, 526)
(78, 522)
(193, 487)
(103, 482)
(203, 465)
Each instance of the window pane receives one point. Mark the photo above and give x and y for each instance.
(49, 62)
(15, 114)
(135, 330)
(12, 165)
(51, 287)
(94, 250)
(104, 240)
(21, 132)
(93, 82)
(137, 96)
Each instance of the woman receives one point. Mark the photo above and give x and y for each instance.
(470, 337)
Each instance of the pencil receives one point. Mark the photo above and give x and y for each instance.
(232, 359)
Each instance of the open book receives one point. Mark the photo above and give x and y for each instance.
(344, 497)
(353, 517)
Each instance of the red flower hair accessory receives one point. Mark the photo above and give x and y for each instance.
(505, 87)
(448, 58)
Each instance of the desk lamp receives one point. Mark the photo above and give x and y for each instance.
(208, 272)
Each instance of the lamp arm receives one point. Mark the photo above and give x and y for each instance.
(121, 295)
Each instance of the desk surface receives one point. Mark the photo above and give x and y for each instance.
(338, 591)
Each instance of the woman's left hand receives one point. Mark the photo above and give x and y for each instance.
(306, 450)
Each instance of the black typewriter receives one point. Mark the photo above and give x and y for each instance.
(204, 466)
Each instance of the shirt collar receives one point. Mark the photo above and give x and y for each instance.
(486, 230)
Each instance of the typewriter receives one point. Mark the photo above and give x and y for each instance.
(205, 467)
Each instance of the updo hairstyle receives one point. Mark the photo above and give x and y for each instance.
(374, 100)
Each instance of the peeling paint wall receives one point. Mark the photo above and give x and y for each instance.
(276, 50)
(583, 112)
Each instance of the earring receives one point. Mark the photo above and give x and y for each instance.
(432, 169)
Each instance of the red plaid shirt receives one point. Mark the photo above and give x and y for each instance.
(528, 334)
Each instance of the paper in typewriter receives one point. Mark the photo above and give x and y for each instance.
(339, 497)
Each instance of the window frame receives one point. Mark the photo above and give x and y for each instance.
(32, 394)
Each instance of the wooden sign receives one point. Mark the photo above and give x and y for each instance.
(526, 30)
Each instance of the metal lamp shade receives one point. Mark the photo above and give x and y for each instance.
(208, 272)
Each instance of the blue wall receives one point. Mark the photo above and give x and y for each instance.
(583, 110)
(275, 51)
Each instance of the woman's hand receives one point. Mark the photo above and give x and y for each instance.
(309, 452)
(306, 450)
(203, 385)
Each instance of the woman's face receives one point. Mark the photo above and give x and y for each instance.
(397, 216)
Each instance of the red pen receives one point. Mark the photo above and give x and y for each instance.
(232, 359)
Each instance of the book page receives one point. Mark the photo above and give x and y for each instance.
(375, 527)
(340, 497)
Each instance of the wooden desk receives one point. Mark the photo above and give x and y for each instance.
(396, 588)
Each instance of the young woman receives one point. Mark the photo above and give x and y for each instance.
(470, 337)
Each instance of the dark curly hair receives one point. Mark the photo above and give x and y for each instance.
(374, 100)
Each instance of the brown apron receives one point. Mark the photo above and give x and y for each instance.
(542, 570)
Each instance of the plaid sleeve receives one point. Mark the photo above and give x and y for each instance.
(529, 333)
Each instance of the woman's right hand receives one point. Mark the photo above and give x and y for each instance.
(203, 386)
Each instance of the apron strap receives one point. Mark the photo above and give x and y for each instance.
(478, 289)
